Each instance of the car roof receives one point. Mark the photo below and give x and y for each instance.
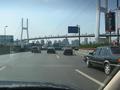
(68, 48)
(51, 48)
(34, 46)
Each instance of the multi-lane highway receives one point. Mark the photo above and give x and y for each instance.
(55, 68)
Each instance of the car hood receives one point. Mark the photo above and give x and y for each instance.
(17, 84)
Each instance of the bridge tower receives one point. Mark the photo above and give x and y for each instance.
(24, 28)
(100, 9)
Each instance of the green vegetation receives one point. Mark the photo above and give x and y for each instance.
(92, 45)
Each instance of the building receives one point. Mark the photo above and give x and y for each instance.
(65, 42)
(85, 40)
(49, 43)
(75, 42)
(6, 39)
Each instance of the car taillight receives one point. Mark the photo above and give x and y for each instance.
(118, 60)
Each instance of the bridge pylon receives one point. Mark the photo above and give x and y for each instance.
(102, 7)
(24, 28)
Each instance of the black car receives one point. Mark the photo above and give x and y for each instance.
(106, 57)
(68, 51)
(35, 49)
(75, 48)
(51, 50)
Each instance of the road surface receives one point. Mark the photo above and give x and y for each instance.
(55, 68)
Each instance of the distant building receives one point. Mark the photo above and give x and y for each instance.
(6, 39)
(57, 44)
(65, 42)
(85, 40)
(49, 43)
(75, 42)
(42, 42)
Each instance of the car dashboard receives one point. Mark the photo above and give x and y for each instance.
(18, 85)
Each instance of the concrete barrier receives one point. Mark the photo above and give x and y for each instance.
(4, 50)
(82, 52)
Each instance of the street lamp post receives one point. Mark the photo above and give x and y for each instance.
(79, 34)
(5, 33)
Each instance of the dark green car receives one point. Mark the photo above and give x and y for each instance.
(106, 57)
(35, 49)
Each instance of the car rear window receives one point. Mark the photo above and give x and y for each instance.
(115, 50)
(68, 50)
(51, 49)
(34, 47)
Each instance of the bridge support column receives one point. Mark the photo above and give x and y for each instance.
(22, 29)
(98, 12)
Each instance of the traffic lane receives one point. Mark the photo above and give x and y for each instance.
(6, 58)
(35, 68)
(78, 64)
(96, 74)
(77, 61)
(59, 75)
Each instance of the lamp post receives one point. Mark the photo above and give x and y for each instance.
(79, 34)
(5, 33)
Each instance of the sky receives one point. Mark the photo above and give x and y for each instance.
(49, 17)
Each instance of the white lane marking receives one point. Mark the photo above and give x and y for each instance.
(87, 76)
(58, 57)
(12, 54)
(75, 53)
(3, 67)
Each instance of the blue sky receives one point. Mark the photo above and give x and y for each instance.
(48, 17)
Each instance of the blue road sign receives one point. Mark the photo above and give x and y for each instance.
(73, 29)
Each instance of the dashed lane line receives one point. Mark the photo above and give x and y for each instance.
(58, 57)
(89, 77)
(2, 67)
(13, 54)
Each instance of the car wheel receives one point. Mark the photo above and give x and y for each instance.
(85, 59)
(88, 63)
(71, 53)
(107, 69)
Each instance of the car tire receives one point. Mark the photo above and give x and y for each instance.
(71, 53)
(88, 63)
(85, 59)
(107, 68)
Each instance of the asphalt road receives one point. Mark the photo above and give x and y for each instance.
(55, 68)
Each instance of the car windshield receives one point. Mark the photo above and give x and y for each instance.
(115, 50)
(50, 41)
